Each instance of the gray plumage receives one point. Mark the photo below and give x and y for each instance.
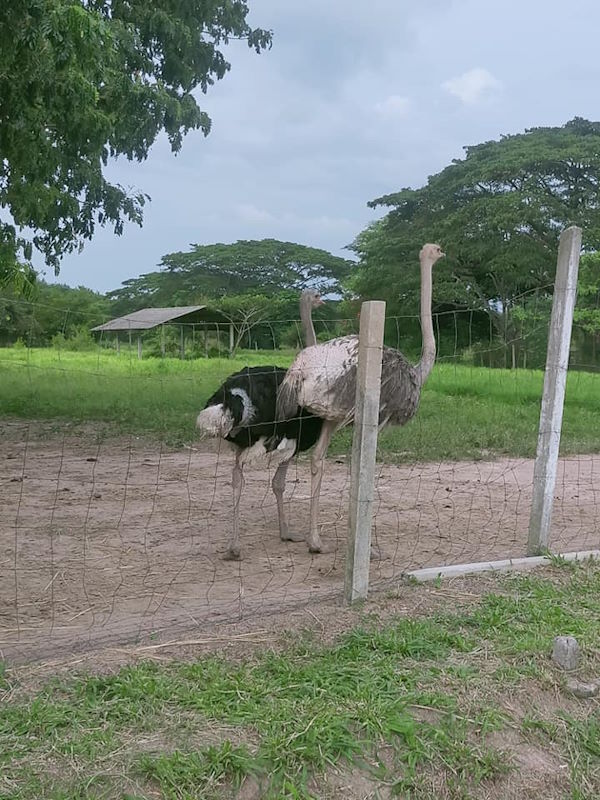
(336, 387)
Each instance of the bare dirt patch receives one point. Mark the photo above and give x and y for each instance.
(106, 541)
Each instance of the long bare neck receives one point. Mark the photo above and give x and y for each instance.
(427, 361)
(308, 329)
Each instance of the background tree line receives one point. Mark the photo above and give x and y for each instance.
(255, 284)
(497, 212)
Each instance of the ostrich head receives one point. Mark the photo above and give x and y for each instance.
(309, 299)
(431, 253)
(312, 298)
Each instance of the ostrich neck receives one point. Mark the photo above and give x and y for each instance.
(308, 329)
(427, 361)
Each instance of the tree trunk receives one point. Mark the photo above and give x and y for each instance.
(505, 332)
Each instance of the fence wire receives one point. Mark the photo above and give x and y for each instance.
(115, 516)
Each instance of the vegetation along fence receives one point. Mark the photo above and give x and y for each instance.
(116, 515)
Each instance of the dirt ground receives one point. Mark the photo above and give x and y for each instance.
(107, 541)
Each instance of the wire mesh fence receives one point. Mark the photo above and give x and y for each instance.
(116, 516)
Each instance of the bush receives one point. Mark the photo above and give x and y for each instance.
(80, 340)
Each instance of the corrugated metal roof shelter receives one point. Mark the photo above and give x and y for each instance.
(148, 318)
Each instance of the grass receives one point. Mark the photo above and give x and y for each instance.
(410, 703)
(465, 413)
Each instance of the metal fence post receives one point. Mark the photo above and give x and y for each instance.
(364, 450)
(555, 379)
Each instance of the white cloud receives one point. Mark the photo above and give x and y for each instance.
(324, 222)
(393, 106)
(248, 212)
(472, 85)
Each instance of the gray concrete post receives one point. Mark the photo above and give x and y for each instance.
(555, 380)
(364, 450)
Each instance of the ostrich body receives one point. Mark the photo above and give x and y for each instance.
(322, 380)
(243, 412)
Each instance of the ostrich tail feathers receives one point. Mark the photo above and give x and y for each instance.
(214, 421)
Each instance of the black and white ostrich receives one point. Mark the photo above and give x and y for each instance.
(243, 412)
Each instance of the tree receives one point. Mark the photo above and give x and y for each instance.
(498, 213)
(83, 81)
(266, 267)
(248, 311)
(587, 310)
(53, 309)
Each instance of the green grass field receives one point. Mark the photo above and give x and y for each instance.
(466, 413)
(448, 701)
(448, 704)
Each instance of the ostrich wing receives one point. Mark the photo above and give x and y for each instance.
(322, 379)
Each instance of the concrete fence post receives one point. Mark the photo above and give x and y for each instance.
(364, 450)
(555, 380)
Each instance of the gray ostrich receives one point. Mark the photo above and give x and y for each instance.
(322, 380)
(243, 413)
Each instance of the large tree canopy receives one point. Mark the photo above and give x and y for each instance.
(265, 267)
(497, 212)
(82, 81)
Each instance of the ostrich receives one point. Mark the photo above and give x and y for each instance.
(243, 412)
(322, 381)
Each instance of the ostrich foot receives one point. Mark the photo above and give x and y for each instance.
(319, 547)
(376, 554)
(292, 537)
(232, 554)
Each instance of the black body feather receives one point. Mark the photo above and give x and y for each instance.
(261, 384)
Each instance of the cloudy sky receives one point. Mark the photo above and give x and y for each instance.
(355, 99)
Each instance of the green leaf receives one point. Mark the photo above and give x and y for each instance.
(85, 80)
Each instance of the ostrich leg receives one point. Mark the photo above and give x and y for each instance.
(316, 468)
(278, 486)
(237, 481)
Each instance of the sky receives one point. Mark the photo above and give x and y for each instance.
(354, 100)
